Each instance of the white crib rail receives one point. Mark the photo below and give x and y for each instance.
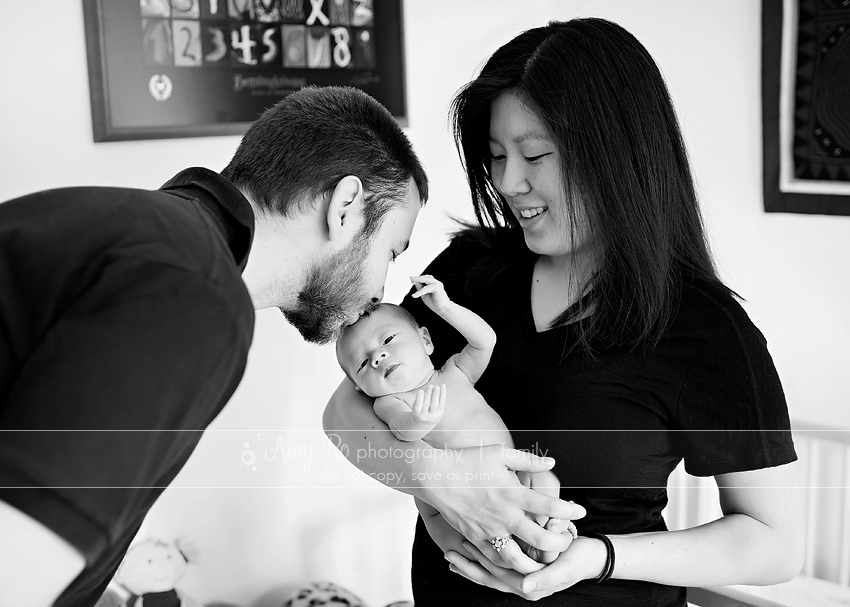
(825, 580)
(825, 458)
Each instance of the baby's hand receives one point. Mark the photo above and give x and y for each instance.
(431, 291)
(429, 404)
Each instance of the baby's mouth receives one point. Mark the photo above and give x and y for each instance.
(390, 369)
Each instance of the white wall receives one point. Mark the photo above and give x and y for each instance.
(257, 542)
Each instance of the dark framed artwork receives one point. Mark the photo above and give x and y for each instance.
(806, 106)
(189, 68)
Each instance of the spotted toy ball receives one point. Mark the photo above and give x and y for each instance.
(323, 593)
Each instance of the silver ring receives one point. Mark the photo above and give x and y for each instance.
(500, 542)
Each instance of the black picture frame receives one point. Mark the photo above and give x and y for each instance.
(193, 68)
(806, 168)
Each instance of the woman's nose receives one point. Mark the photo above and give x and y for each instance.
(377, 357)
(512, 180)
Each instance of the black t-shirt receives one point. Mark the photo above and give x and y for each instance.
(124, 329)
(617, 426)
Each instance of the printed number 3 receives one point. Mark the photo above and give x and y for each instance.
(220, 48)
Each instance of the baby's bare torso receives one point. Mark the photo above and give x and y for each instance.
(468, 421)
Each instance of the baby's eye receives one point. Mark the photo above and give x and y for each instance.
(362, 364)
(388, 339)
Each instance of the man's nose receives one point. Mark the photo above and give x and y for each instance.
(377, 357)
(377, 297)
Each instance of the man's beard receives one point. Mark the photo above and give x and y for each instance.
(333, 294)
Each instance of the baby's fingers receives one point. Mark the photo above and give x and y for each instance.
(441, 401)
(428, 289)
(424, 279)
(437, 400)
(419, 403)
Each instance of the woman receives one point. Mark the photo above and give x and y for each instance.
(620, 352)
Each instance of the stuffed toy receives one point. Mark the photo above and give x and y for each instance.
(150, 571)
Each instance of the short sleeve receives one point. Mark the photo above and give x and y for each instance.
(731, 413)
(106, 410)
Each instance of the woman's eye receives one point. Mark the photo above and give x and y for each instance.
(497, 157)
(388, 339)
(535, 158)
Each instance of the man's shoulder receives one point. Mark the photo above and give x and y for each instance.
(85, 234)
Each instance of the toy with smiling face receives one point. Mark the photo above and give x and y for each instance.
(150, 571)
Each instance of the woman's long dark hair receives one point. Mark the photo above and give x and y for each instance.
(605, 104)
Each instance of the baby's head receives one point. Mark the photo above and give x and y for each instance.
(385, 352)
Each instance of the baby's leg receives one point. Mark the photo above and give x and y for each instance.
(548, 484)
(563, 527)
(544, 482)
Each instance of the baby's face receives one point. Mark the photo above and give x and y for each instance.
(384, 354)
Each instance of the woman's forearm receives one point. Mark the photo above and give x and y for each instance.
(735, 549)
(760, 539)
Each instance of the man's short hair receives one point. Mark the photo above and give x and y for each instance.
(306, 143)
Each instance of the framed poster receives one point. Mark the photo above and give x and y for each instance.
(189, 68)
(806, 106)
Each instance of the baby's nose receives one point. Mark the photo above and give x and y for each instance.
(378, 357)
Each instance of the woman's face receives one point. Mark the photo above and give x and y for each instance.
(526, 170)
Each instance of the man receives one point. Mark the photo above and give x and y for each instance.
(126, 318)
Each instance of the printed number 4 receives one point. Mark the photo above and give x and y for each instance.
(241, 41)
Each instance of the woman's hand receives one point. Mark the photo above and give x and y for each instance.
(475, 489)
(450, 540)
(478, 494)
(583, 559)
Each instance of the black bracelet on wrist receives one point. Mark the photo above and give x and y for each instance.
(608, 570)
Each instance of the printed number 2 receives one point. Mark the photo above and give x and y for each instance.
(186, 53)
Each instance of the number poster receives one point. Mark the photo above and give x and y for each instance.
(185, 68)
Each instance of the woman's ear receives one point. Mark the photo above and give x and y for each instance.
(426, 338)
(345, 210)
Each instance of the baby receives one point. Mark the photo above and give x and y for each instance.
(387, 356)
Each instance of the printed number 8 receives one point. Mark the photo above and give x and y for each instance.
(342, 52)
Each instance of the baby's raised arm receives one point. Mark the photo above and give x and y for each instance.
(480, 337)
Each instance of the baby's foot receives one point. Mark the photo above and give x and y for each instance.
(566, 528)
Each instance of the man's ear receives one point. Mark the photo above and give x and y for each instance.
(426, 337)
(345, 210)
